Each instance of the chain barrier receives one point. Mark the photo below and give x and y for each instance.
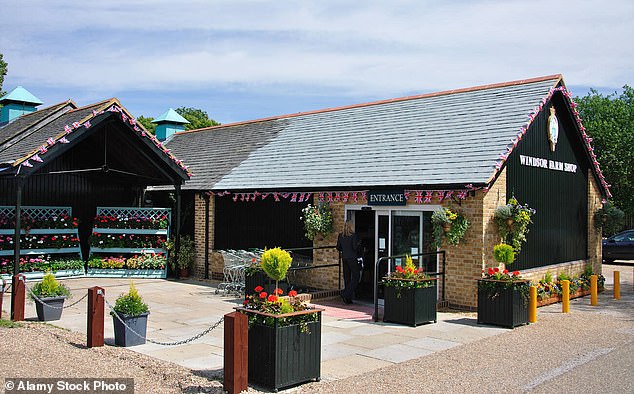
(51, 306)
(182, 342)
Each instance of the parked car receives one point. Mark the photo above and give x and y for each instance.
(619, 247)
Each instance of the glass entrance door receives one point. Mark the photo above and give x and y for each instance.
(407, 230)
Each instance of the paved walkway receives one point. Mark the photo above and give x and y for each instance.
(351, 342)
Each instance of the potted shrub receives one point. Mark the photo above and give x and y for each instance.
(182, 261)
(448, 224)
(503, 253)
(131, 310)
(49, 296)
(284, 333)
(502, 298)
(512, 222)
(409, 296)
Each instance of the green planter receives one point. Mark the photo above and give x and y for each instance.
(410, 306)
(501, 305)
(50, 308)
(284, 356)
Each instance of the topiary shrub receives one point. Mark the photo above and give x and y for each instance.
(503, 253)
(276, 262)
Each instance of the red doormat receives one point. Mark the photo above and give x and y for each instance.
(334, 307)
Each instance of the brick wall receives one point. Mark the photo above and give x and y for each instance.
(595, 253)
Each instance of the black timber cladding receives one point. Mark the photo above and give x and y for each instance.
(559, 230)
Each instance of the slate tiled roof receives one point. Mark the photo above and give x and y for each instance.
(30, 122)
(446, 138)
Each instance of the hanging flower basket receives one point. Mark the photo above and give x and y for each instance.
(317, 220)
(450, 225)
(512, 221)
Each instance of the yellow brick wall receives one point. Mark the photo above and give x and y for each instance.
(594, 234)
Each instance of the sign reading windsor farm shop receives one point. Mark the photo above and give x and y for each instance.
(389, 197)
(548, 164)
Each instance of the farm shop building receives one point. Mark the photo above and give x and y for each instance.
(388, 165)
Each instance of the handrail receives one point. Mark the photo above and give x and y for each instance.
(387, 258)
(322, 265)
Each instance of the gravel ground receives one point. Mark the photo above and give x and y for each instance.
(37, 350)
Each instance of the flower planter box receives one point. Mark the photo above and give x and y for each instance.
(283, 356)
(410, 306)
(50, 308)
(507, 307)
(259, 278)
(124, 336)
(125, 273)
(557, 298)
(40, 274)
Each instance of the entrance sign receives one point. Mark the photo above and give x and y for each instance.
(390, 197)
(548, 164)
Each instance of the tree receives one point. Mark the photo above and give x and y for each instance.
(197, 118)
(3, 72)
(609, 121)
(147, 123)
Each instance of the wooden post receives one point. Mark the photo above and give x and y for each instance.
(617, 285)
(95, 317)
(532, 305)
(4, 284)
(17, 297)
(236, 355)
(565, 296)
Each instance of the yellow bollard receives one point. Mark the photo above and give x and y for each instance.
(532, 305)
(594, 289)
(565, 296)
(617, 285)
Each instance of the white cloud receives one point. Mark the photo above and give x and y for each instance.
(366, 48)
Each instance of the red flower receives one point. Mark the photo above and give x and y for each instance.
(491, 271)
(272, 298)
(292, 293)
(258, 289)
(496, 269)
(516, 273)
(505, 272)
(399, 269)
(245, 302)
(263, 295)
(278, 291)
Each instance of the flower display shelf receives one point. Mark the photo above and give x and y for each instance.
(557, 298)
(282, 356)
(125, 273)
(38, 275)
(130, 221)
(54, 220)
(411, 306)
(502, 303)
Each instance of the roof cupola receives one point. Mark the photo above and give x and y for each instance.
(16, 103)
(169, 123)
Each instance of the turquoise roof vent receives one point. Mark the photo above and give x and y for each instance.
(16, 103)
(169, 123)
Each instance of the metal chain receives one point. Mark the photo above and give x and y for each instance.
(184, 341)
(51, 306)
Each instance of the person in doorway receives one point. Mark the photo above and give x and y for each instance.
(348, 244)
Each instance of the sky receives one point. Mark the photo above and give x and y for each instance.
(241, 60)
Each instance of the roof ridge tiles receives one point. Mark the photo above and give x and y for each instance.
(556, 77)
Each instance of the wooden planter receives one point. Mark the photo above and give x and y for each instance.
(50, 308)
(411, 306)
(123, 336)
(260, 278)
(506, 307)
(283, 356)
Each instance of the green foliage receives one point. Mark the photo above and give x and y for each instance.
(548, 277)
(3, 72)
(317, 220)
(512, 221)
(186, 255)
(609, 219)
(130, 303)
(147, 123)
(9, 324)
(504, 253)
(50, 287)
(276, 262)
(197, 118)
(448, 224)
(609, 120)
